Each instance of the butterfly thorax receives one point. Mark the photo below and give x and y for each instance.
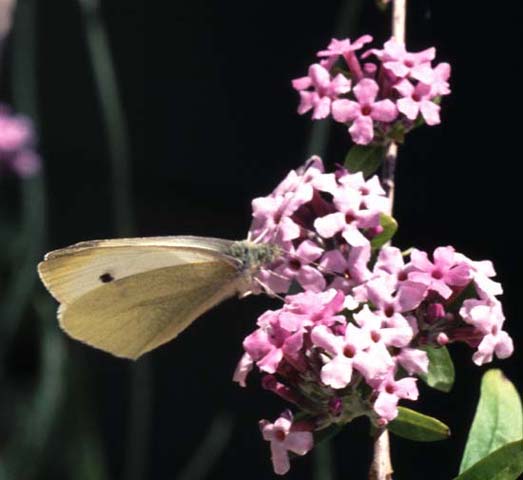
(254, 256)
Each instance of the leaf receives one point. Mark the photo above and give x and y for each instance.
(364, 158)
(326, 434)
(418, 427)
(389, 226)
(506, 463)
(498, 419)
(441, 369)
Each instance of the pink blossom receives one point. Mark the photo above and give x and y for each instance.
(393, 300)
(16, 144)
(393, 334)
(350, 218)
(297, 265)
(15, 132)
(482, 273)
(283, 440)
(324, 91)
(356, 349)
(390, 391)
(448, 270)
(487, 317)
(403, 64)
(344, 48)
(243, 369)
(264, 347)
(364, 112)
(272, 214)
(350, 269)
(372, 194)
(440, 85)
(416, 99)
(312, 308)
(413, 360)
(391, 261)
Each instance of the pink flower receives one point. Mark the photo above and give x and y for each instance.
(243, 369)
(15, 132)
(448, 270)
(391, 261)
(482, 272)
(413, 360)
(344, 48)
(284, 440)
(488, 318)
(364, 112)
(440, 85)
(312, 308)
(350, 269)
(372, 194)
(403, 64)
(324, 91)
(272, 214)
(16, 144)
(350, 218)
(393, 300)
(416, 99)
(398, 334)
(297, 265)
(390, 391)
(356, 349)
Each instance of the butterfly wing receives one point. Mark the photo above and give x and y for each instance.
(129, 296)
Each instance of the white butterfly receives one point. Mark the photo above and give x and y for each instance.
(128, 296)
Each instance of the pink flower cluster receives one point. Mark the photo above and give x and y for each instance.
(17, 144)
(324, 222)
(353, 341)
(378, 100)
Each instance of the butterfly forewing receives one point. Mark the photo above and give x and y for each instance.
(71, 272)
(127, 296)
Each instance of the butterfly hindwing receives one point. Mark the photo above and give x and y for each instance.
(133, 315)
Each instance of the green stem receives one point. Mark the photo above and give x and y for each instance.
(323, 462)
(210, 449)
(115, 124)
(24, 454)
(31, 240)
(119, 153)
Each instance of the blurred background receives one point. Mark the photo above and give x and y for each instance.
(169, 120)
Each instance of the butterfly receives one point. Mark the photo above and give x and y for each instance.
(129, 296)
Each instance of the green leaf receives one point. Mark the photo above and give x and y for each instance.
(418, 427)
(364, 158)
(498, 419)
(390, 226)
(441, 369)
(506, 463)
(326, 434)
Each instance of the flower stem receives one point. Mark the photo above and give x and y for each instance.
(389, 168)
(381, 466)
(118, 139)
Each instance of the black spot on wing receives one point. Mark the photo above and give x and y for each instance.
(106, 278)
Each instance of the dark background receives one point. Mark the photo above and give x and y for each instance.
(206, 91)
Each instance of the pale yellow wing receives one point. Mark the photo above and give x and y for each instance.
(131, 316)
(71, 272)
(127, 296)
